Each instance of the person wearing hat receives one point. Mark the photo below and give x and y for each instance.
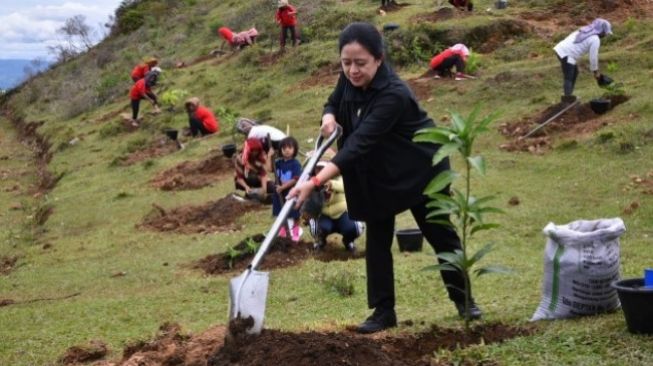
(142, 89)
(286, 17)
(585, 40)
(385, 172)
(201, 120)
(454, 56)
(333, 217)
(139, 71)
(237, 40)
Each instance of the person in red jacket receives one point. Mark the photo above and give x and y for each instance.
(201, 119)
(286, 17)
(139, 71)
(237, 40)
(142, 89)
(442, 63)
(462, 4)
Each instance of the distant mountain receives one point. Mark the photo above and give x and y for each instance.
(12, 72)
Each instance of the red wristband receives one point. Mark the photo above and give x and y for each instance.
(316, 181)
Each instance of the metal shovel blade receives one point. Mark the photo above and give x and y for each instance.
(247, 296)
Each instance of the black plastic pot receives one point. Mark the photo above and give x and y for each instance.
(229, 150)
(410, 240)
(636, 303)
(172, 134)
(600, 106)
(501, 4)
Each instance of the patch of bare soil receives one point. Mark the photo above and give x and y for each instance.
(579, 13)
(282, 253)
(93, 351)
(577, 121)
(157, 148)
(194, 175)
(220, 215)
(444, 13)
(216, 347)
(421, 87)
(6, 302)
(111, 115)
(7, 264)
(326, 75)
(393, 6)
(270, 58)
(642, 183)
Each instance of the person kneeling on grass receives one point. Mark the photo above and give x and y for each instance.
(252, 171)
(201, 119)
(237, 40)
(287, 170)
(442, 63)
(142, 89)
(333, 218)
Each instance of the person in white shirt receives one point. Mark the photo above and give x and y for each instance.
(585, 40)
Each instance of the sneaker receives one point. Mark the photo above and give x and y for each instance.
(296, 233)
(380, 320)
(282, 232)
(474, 311)
(459, 76)
(135, 123)
(351, 247)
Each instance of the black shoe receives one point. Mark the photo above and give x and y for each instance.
(379, 320)
(474, 311)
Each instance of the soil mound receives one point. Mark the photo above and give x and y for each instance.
(316, 348)
(576, 121)
(421, 87)
(393, 6)
(219, 215)
(325, 75)
(444, 13)
(7, 264)
(93, 351)
(6, 302)
(643, 183)
(194, 175)
(160, 147)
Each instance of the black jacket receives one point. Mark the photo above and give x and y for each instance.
(384, 171)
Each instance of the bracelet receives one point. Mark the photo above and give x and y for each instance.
(316, 181)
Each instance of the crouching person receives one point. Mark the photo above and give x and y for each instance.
(201, 120)
(333, 217)
(251, 170)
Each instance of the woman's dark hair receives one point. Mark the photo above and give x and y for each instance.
(292, 142)
(365, 34)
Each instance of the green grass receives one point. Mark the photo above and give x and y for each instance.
(93, 229)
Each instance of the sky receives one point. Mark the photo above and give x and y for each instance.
(28, 27)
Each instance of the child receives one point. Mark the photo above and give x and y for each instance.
(286, 172)
(251, 171)
(142, 89)
(139, 71)
(286, 17)
(334, 217)
(201, 119)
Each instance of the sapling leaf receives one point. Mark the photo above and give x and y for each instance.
(439, 212)
(455, 288)
(482, 252)
(454, 259)
(492, 269)
(440, 267)
(444, 151)
(458, 124)
(480, 227)
(440, 182)
(442, 222)
(478, 163)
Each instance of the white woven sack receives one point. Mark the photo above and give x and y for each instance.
(581, 259)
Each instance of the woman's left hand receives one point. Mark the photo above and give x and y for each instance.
(301, 191)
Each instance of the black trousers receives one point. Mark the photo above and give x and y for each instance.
(284, 35)
(444, 69)
(569, 75)
(378, 257)
(197, 127)
(135, 107)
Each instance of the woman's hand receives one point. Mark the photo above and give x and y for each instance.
(301, 191)
(328, 124)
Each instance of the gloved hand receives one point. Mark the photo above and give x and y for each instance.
(603, 80)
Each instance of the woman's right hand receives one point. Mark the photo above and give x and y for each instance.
(328, 124)
(301, 191)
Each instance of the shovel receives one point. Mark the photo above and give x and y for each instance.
(248, 292)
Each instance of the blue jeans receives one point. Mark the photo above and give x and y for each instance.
(277, 202)
(343, 225)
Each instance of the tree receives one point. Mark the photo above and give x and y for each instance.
(77, 38)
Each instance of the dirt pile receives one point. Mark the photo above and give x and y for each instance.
(273, 347)
(576, 121)
(7, 264)
(194, 175)
(642, 183)
(219, 215)
(93, 351)
(160, 147)
(325, 75)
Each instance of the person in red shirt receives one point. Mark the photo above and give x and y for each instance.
(442, 63)
(201, 119)
(142, 89)
(139, 71)
(252, 170)
(237, 40)
(286, 17)
(462, 4)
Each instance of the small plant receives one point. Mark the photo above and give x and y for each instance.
(228, 118)
(612, 67)
(467, 211)
(473, 63)
(172, 98)
(614, 89)
(231, 255)
(341, 282)
(251, 246)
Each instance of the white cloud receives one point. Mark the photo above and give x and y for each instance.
(26, 32)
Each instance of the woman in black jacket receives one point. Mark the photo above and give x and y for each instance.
(384, 171)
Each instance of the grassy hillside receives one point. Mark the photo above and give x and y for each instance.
(98, 274)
